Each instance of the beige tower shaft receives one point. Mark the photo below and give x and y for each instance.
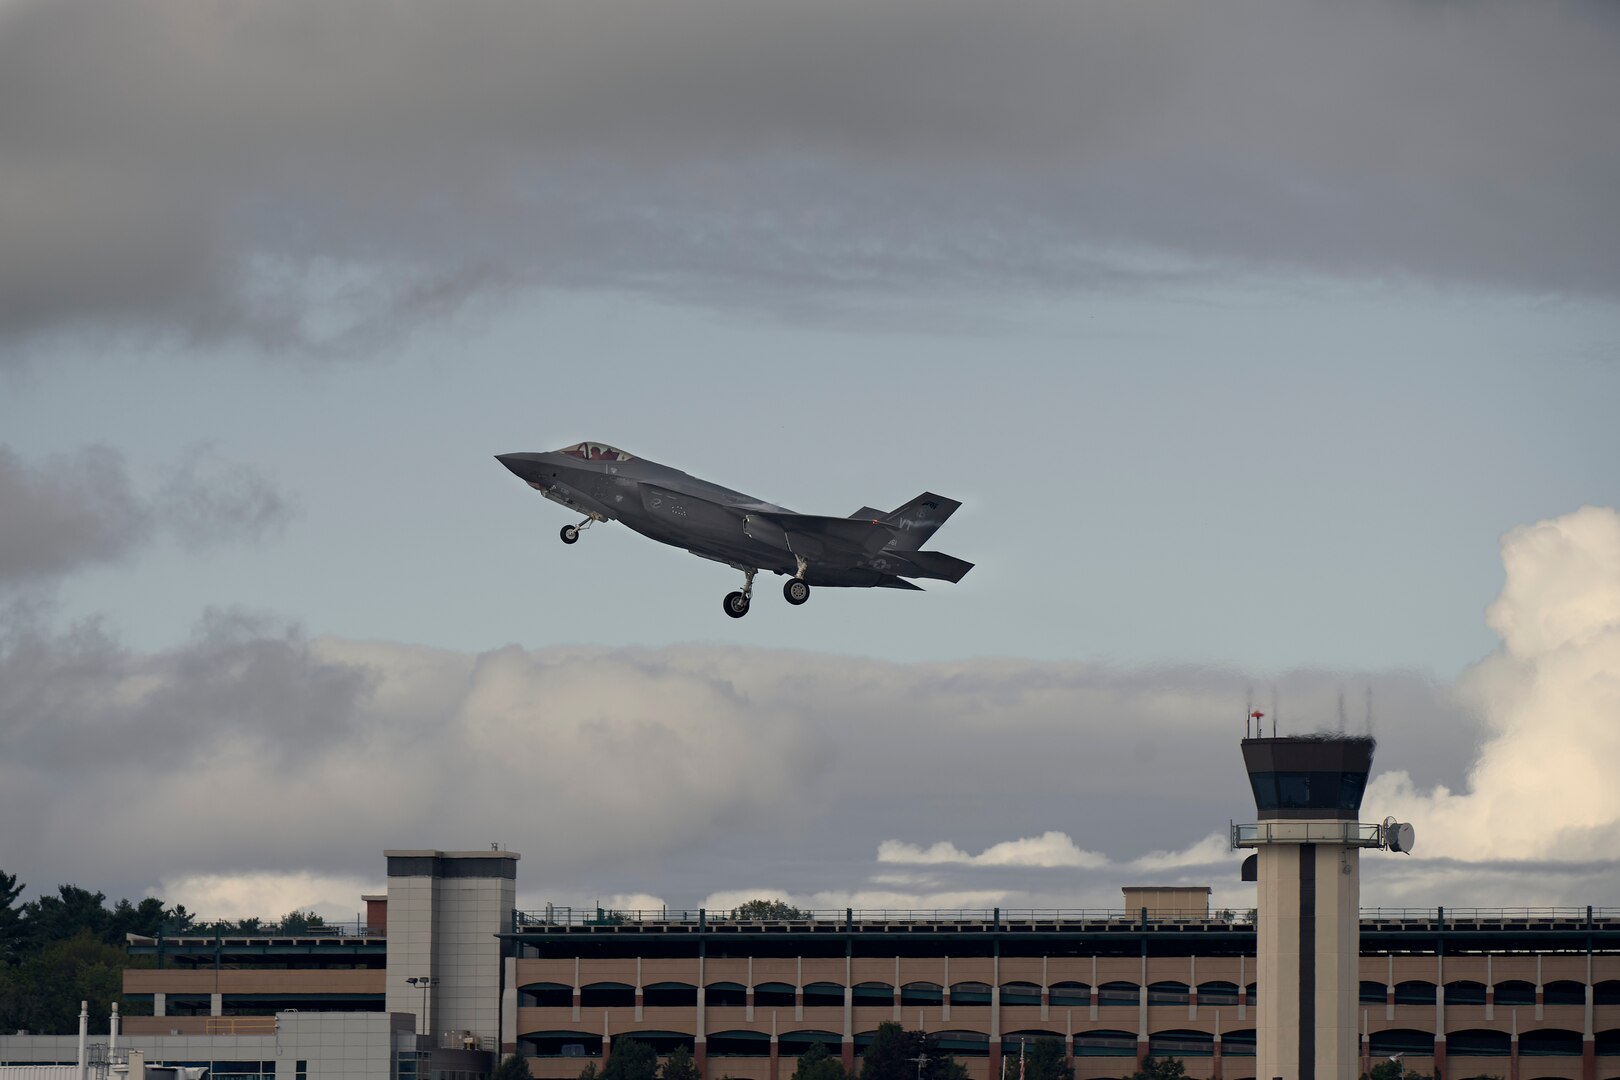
(1308, 944)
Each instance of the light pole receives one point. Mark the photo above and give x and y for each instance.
(425, 982)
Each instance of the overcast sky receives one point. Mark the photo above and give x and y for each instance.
(1272, 348)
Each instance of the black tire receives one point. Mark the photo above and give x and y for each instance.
(795, 591)
(570, 534)
(736, 604)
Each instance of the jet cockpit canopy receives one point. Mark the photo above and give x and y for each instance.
(595, 451)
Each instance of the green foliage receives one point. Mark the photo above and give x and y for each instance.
(631, 1060)
(1160, 1068)
(512, 1067)
(1045, 1060)
(589, 1072)
(817, 1064)
(299, 922)
(679, 1066)
(11, 930)
(43, 992)
(762, 910)
(893, 1055)
(68, 947)
(1393, 1070)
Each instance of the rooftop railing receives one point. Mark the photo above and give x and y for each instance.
(556, 915)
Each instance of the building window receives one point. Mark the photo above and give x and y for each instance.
(874, 994)
(970, 993)
(774, 995)
(922, 993)
(823, 994)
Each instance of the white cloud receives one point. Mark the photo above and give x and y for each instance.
(1542, 787)
(1050, 849)
(268, 895)
(1212, 849)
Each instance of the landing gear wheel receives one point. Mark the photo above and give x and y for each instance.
(736, 604)
(570, 534)
(795, 591)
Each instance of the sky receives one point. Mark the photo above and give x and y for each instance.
(1273, 350)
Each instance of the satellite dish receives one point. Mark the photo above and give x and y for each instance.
(1402, 837)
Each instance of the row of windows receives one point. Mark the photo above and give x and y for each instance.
(1541, 1042)
(1509, 992)
(1176, 1043)
(607, 995)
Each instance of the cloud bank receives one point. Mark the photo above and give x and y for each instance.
(308, 176)
(706, 775)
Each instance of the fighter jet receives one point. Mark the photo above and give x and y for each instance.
(868, 549)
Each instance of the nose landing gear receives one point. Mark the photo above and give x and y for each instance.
(736, 603)
(570, 533)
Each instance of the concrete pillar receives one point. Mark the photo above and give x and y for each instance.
(160, 1003)
(700, 1055)
(216, 1004)
(1439, 1057)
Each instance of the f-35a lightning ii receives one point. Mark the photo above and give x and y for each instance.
(868, 549)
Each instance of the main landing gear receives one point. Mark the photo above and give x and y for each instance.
(796, 590)
(736, 603)
(570, 533)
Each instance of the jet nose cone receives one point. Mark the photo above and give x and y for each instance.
(519, 464)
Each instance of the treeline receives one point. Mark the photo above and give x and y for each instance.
(62, 949)
(894, 1054)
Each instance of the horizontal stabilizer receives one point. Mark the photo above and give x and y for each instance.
(869, 513)
(898, 583)
(937, 564)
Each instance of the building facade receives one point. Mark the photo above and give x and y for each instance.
(1475, 994)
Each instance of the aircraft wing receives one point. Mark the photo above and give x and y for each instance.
(816, 537)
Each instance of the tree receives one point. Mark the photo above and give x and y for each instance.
(298, 922)
(631, 1060)
(46, 988)
(589, 1072)
(511, 1067)
(145, 919)
(762, 910)
(71, 911)
(678, 1066)
(817, 1064)
(892, 1054)
(1045, 1060)
(11, 929)
(1161, 1068)
(1393, 1070)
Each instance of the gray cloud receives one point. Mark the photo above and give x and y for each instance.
(299, 174)
(69, 511)
(78, 509)
(681, 772)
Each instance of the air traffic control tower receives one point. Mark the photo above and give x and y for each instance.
(1307, 791)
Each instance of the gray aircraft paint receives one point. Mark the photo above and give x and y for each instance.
(868, 549)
